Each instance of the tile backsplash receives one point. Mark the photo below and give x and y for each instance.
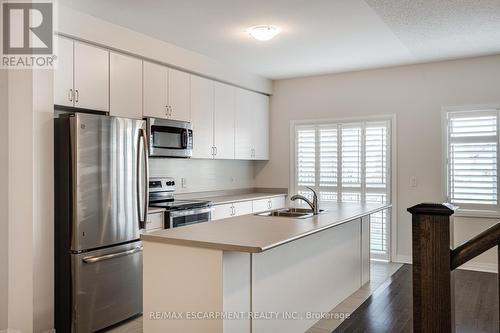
(204, 175)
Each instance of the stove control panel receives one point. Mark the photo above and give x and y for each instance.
(161, 184)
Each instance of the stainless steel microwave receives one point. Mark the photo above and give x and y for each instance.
(169, 138)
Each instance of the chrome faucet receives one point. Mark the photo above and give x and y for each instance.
(314, 204)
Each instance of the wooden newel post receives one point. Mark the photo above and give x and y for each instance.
(433, 305)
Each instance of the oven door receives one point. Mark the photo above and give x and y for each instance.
(186, 217)
(170, 138)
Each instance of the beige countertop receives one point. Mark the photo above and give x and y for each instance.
(154, 210)
(254, 234)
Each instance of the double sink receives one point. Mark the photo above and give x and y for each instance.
(298, 213)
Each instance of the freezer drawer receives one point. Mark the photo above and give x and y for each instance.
(107, 286)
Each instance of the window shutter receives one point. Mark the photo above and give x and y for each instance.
(376, 156)
(472, 159)
(351, 156)
(328, 156)
(347, 163)
(306, 156)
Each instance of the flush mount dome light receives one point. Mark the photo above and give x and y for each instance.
(264, 32)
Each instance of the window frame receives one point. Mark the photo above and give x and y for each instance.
(392, 166)
(468, 210)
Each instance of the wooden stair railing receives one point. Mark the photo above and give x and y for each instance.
(434, 262)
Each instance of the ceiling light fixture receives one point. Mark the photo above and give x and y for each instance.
(264, 32)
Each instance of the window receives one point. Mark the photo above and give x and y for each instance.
(472, 159)
(347, 162)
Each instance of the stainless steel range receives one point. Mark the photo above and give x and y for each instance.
(178, 212)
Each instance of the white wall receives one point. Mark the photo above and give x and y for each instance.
(89, 28)
(205, 175)
(4, 226)
(416, 95)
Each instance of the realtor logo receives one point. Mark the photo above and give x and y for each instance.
(27, 34)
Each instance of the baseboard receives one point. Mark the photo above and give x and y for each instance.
(480, 267)
(470, 266)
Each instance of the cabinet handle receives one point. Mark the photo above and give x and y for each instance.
(77, 95)
(215, 151)
(70, 95)
(170, 110)
(166, 110)
(269, 204)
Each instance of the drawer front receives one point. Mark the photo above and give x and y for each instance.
(243, 208)
(154, 221)
(222, 211)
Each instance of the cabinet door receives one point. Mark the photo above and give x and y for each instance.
(222, 211)
(278, 202)
(63, 74)
(154, 221)
(261, 205)
(202, 116)
(125, 86)
(179, 94)
(91, 68)
(243, 208)
(243, 125)
(155, 90)
(225, 105)
(261, 126)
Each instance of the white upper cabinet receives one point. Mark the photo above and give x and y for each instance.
(179, 98)
(63, 74)
(225, 107)
(155, 89)
(125, 86)
(243, 125)
(202, 117)
(91, 80)
(251, 126)
(261, 127)
(81, 76)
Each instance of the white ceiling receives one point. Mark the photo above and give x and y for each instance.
(319, 36)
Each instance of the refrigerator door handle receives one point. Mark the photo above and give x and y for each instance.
(91, 260)
(143, 182)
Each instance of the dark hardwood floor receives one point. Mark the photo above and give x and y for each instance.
(389, 309)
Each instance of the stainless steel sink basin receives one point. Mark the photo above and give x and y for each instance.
(298, 213)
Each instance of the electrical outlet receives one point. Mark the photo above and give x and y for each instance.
(413, 181)
(183, 182)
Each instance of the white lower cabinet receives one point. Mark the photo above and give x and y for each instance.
(154, 221)
(232, 209)
(246, 207)
(263, 205)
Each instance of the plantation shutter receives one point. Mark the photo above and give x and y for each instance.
(347, 163)
(472, 159)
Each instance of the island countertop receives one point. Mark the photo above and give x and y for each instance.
(255, 234)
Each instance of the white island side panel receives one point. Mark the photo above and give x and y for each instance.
(312, 274)
(184, 280)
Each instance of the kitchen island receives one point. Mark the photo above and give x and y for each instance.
(255, 273)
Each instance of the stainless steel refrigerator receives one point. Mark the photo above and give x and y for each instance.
(101, 201)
